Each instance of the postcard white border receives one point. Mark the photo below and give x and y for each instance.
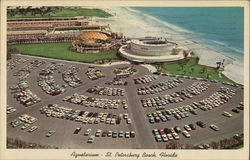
(240, 154)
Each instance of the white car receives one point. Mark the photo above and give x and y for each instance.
(87, 132)
(176, 136)
(164, 138)
(109, 133)
(127, 134)
(128, 121)
(158, 138)
(125, 116)
(187, 128)
(186, 134)
(25, 126)
(170, 137)
(227, 114)
(98, 133)
(112, 121)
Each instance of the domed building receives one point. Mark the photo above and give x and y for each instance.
(93, 42)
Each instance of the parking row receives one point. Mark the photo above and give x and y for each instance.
(11, 64)
(96, 102)
(169, 134)
(124, 72)
(218, 98)
(21, 90)
(71, 78)
(200, 79)
(47, 82)
(110, 133)
(159, 87)
(195, 89)
(24, 72)
(94, 74)
(53, 110)
(22, 94)
(25, 119)
(145, 79)
(117, 81)
(106, 91)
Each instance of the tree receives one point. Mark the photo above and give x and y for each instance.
(192, 70)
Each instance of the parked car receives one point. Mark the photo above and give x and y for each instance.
(77, 130)
(187, 128)
(158, 138)
(132, 134)
(177, 129)
(227, 114)
(26, 125)
(33, 128)
(87, 132)
(214, 127)
(186, 134)
(235, 110)
(164, 138)
(176, 136)
(127, 134)
(201, 124)
(50, 133)
(98, 133)
(91, 139)
(192, 126)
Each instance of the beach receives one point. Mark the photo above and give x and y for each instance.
(134, 24)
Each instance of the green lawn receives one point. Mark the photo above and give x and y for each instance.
(238, 147)
(65, 12)
(62, 51)
(193, 69)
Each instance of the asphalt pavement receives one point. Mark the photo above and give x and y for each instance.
(144, 139)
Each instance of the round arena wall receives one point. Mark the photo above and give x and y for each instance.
(153, 50)
(152, 47)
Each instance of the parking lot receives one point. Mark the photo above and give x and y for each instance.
(70, 98)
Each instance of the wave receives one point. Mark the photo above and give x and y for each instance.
(181, 32)
(144, 16)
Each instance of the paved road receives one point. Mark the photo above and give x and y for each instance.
(142, 127)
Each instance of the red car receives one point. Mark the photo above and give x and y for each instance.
(161, 131)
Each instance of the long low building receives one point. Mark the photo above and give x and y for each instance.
(153, 50)
(40, 30)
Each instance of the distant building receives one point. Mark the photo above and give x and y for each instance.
(41, 30)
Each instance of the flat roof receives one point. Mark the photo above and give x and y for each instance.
(41, 19)
(27, 32)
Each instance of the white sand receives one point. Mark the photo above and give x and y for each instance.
(135, 24)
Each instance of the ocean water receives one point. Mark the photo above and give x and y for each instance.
(221, 28)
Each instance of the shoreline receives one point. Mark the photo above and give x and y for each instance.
(132, 23)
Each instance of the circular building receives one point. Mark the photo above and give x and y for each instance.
(152, 50)
(92, 42)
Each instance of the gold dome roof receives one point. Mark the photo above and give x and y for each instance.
(93, 35)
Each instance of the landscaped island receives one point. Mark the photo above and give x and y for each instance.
(61, 51)
(192, 68)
